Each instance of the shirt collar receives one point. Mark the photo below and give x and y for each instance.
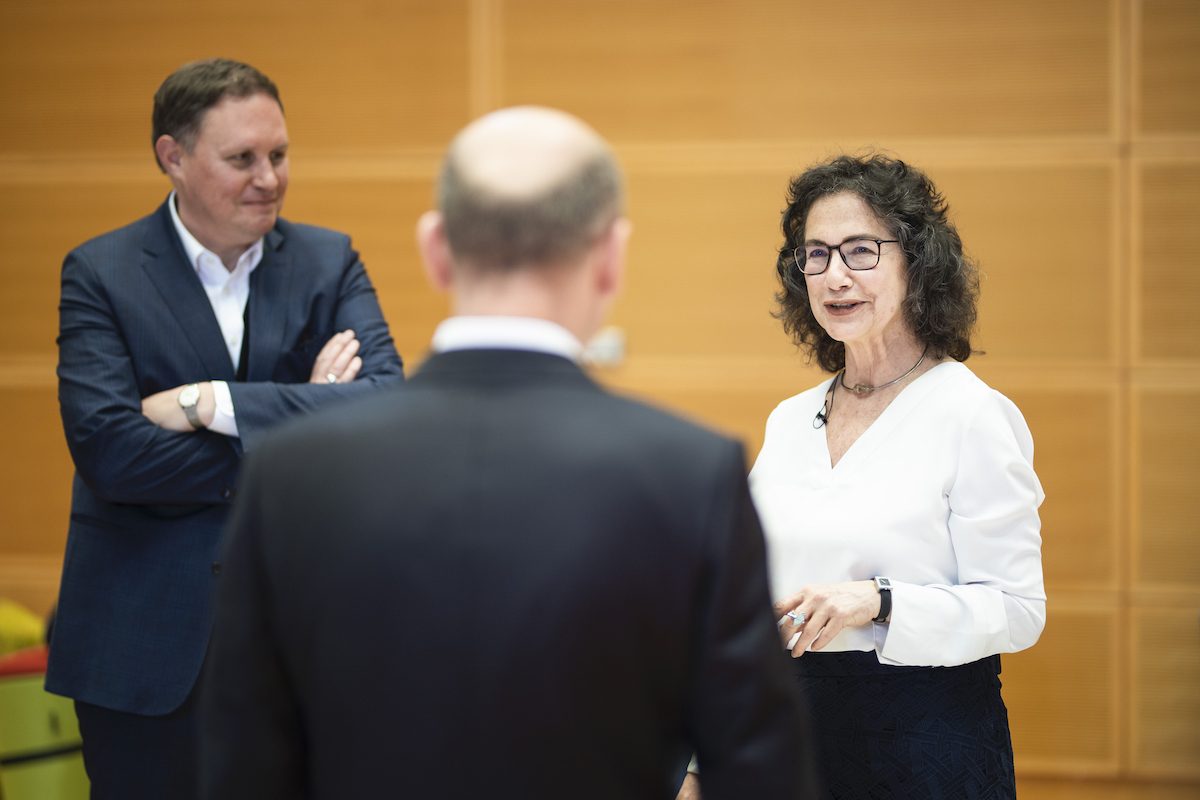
(506, 333)
(195, 250)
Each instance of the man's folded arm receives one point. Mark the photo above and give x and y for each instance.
(119, 453)
(260, 405)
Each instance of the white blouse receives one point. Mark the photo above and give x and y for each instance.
(939, 495)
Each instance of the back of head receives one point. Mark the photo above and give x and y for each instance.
(184, 97)
(527, 187)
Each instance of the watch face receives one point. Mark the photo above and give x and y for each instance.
(189, 395)
(883, 584)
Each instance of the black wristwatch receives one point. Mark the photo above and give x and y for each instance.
(884, 585)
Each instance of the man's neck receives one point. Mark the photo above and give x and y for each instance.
(531, 295)
(229, 254)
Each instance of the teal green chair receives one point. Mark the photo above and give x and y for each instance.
(41, 756)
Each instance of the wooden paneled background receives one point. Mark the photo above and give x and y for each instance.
(1065, 133)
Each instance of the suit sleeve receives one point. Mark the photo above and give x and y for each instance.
(119, 453)
(747, 719)
(261, 405)
(251, 736)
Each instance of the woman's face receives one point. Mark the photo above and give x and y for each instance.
(855, 306)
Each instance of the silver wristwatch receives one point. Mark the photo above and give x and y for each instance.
(189, 396)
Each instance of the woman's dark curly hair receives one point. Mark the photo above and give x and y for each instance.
(942, 282)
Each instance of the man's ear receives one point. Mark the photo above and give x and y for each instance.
(170, 154)
(435, 251)
(611, 274)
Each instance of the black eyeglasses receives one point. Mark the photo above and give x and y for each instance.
(859, 254)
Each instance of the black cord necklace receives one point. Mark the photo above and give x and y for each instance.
(859, 389)
(827, 407)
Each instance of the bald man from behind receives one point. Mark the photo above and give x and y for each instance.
(502, 581)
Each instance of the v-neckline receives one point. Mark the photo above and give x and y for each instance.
(882, 426)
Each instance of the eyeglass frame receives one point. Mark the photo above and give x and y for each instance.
(838, 248)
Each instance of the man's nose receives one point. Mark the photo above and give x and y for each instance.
(265, 175)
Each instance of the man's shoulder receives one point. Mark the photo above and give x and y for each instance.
(136, 235)
(311, 236)
(569, 421)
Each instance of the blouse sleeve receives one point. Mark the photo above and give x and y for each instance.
(998, 604)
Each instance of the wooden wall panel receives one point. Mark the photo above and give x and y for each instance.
(697, 70)
(80, 76)
(1074, 458)
(1170, 66)
(701, 272)
(1166, 691)
(1042, 238)
(38, 226)
(1167, 535)
(740, 413)
(381, 217)
(35, 472)
(1170, 261)
(1062, 693)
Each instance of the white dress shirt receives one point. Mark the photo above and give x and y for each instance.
(939, 495)
(228, 292)
(506, 333)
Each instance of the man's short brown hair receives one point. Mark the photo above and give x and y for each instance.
(184, 97)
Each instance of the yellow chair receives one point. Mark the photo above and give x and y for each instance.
(40, 747)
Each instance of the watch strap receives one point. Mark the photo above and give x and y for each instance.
(884, 587)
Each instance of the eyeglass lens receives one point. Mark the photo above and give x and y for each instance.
(857, 253)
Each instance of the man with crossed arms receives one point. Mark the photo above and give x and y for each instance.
(183, 337)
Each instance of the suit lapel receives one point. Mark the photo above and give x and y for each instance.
(270, 285)
(165, 262)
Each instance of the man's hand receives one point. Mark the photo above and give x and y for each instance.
(163, 409)
(337, 362)
(690, 789)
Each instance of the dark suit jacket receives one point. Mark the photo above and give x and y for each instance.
(148, 505)
(499, 582)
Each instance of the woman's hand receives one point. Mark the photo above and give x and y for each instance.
(827, 608)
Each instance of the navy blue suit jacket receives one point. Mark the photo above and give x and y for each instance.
(148, 505)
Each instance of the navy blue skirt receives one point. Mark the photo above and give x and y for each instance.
(908, 732)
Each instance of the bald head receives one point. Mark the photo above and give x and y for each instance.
(527, 187)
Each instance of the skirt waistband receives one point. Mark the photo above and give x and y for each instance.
(859, 662)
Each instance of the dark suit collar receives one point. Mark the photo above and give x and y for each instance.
(167, 265)
(499, 367)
